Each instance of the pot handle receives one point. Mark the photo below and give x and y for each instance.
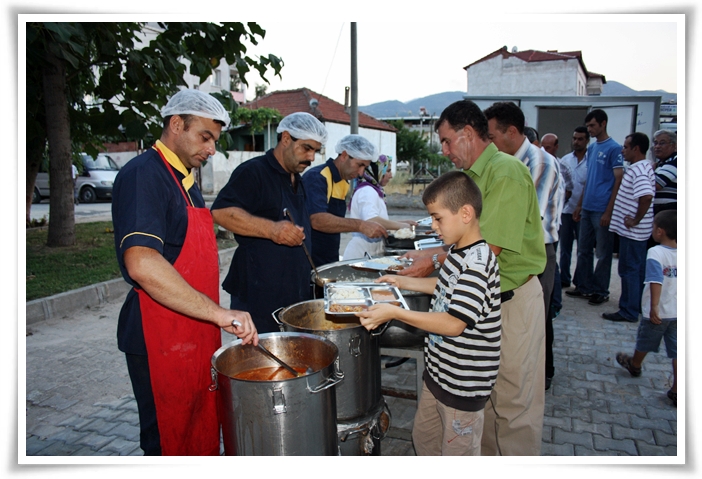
(332, 380)
(380, 330)
(275, 316)
(213, 373)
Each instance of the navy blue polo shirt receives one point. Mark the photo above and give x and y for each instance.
(148, 209)
(257, 186)
(326, 193)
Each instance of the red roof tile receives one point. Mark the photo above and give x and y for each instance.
(291, 101)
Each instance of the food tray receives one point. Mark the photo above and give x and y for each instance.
(428, 243)
(346, 299)
(387, 264)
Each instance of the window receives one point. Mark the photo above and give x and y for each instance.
(216, 78)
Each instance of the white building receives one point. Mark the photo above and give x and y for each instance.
(532, 73)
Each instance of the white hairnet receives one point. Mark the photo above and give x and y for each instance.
(198, 103)
(303, 126)
(357, 147)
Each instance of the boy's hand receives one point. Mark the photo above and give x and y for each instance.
(655, 318)
(377, 315)
(391, 279)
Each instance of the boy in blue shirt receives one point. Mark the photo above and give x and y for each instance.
(659, 301)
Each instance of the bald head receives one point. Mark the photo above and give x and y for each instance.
(549, 142)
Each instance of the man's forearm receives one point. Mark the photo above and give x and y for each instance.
(329, 223)
(239, 221)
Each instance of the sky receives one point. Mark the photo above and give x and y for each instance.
(408, 60)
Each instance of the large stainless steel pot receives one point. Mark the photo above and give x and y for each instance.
(291, 417)
(359, 353)
(397, 334)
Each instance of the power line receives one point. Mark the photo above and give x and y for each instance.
(332, 60)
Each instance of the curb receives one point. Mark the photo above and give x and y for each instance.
(63, 304)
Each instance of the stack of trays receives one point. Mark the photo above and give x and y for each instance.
(351, 298)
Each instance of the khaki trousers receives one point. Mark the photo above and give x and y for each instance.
(440, 430)
(514, 414)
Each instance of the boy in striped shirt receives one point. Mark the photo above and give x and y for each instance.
(462, 351)
(632, 220)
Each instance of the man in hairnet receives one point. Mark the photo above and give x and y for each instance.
(326, 187)
(169, 326)
(270, 269)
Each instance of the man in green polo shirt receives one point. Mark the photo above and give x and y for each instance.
(511, 224)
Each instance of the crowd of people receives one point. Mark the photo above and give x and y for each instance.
(501, 216)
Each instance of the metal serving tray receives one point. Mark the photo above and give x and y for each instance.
(373, 293)
(374, 265)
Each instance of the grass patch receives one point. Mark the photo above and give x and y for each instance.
(91, 260)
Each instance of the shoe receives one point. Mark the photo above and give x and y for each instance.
(565, 285)
(548, 385)
(624, 361)
(617, 317)
(672, 396)
(576, 293)
(596, 299)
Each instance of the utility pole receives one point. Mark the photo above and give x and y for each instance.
(354, 81)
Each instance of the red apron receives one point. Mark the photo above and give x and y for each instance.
(180, 348)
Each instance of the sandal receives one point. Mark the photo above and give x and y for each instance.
(625, 361)
(673, 397)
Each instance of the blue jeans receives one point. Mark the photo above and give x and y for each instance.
(567, 235)
(586, 279)
(632, 271)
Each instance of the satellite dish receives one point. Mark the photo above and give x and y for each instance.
(514, 49)
(313, 103)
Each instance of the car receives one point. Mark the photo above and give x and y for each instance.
(41, 187)
(97, 178)
(94, 183)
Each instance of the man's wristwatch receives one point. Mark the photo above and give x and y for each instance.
(435, 260)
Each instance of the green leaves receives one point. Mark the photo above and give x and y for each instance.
(110, 71)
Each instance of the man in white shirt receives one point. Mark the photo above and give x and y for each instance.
(576, 162)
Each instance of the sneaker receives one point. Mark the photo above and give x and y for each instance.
(617, 317)
(576, 293)
(672, 396)
(596, 299)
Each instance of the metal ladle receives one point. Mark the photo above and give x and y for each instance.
(236, 324)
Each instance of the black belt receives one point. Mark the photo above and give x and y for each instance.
(506, 296)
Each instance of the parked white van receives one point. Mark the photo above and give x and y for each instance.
(94, 183)
(97, 178)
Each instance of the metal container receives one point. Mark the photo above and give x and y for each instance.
(359, 353)
(397, 334)
(362, 436)
(291, 417)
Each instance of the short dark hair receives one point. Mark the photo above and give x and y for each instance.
(582, 129)
(531, 134)
(506, 114)
(598, 115)
(461, 113)
(667, 220)
(454, 189)
(640, 140)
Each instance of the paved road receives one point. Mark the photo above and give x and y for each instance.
(79, 403)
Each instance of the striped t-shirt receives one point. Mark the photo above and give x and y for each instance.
(639, 180)
(460, 371)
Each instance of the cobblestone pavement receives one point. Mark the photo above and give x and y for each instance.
(79, 400)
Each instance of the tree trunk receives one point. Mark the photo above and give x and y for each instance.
(35, 149)
(62, 227)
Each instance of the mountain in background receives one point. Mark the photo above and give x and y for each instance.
(436, 103)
